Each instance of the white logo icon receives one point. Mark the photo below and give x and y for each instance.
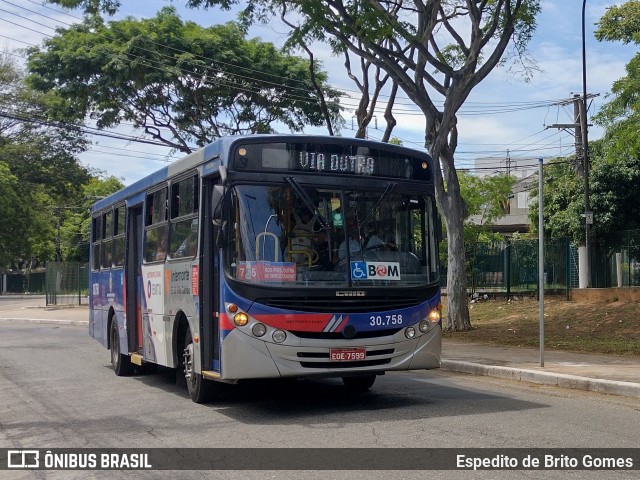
(23, 458)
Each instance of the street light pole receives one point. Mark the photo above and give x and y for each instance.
(588, 215)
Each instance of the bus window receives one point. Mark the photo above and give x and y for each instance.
(155, 240)
(183, 226)
(118, 236)
(107, 232)
(96, 237)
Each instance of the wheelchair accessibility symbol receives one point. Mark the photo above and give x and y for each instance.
(358, 270)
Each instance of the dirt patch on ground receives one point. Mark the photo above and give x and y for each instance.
(612, 328)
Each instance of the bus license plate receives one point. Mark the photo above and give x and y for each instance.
(347, 354)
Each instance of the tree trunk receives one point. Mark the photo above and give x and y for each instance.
(457, 306)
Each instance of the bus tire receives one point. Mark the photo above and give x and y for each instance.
(122, 365)
(359, 384)
(199, 388)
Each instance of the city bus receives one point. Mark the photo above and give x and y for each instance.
(271, 256)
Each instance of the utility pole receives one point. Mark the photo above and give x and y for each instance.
(581, 167)
(577, 118)
(588, 214)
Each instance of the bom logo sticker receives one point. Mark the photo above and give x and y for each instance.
(375, 271)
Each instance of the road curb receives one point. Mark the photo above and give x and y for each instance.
(612, 387)
(45, 320)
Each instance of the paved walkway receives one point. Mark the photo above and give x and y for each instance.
(610, 374)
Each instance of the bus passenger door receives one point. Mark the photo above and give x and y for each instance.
(209, 283)
(133, 278)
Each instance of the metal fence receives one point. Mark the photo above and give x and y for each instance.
(616, 260)
(511, 267)
(22, 282)
(66, 283)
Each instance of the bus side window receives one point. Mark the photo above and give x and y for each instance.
(155, 238)
(96, 238)
(183, 225)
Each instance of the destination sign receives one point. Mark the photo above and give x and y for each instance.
(329, 158)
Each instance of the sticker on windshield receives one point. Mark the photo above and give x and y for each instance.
(375, 271)
(266, 271)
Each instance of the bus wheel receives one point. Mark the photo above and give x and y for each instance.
(122, 365)
(197, 386)
(359, 384)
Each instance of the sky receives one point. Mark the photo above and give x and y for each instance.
(503, 117)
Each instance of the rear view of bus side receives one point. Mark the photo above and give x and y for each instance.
(271, 256)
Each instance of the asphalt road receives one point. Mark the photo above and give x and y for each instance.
(57, 390)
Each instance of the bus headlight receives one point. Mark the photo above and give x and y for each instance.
(259, 329)
(279, 336)
(241, 319)
(424, 326)
(410, 332)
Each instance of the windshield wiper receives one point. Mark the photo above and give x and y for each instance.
(373, 211)
(307, 201)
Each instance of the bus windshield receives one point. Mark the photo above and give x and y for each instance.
(296, 236)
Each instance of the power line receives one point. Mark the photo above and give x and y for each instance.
(27, 28)
(81, 129)
(481, 109)
(27, 19)
(468, 108)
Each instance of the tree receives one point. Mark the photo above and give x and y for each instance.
(399, 37)
(179, 82)
(75, 232)
(435, 51)
(614, 197)
(27, 233)
(621, 115)
(10, 213)
(563, 201)
(39, 169)
(614, 188)
(485, 197)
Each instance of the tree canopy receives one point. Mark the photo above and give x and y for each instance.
(41, 179)
(614, 196)
(181, 83)
(621, 114)
(563, 201)
(485, 197)
(75, 232)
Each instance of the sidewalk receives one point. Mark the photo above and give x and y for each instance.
(610, 374)
(61, 315)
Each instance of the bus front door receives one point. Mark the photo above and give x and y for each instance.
(133, 277)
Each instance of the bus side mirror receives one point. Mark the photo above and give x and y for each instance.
(216, 204)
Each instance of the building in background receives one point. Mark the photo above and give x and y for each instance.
(525, 170)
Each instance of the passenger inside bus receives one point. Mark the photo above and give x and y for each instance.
(356, 241)
(161, 251)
